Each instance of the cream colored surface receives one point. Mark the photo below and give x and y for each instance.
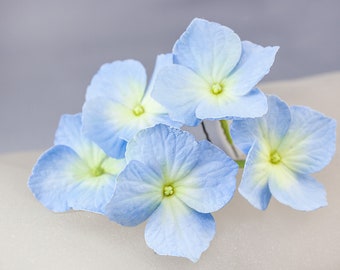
(32, 237)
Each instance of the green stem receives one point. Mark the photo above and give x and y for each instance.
(240, 163)
(226, 131)
(225, 127)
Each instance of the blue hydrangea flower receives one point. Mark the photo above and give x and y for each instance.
(284, 147)
(213, 75)
(75, 173)
(175, 183)
(118, 104)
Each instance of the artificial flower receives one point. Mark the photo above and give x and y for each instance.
(283, 148)
(213, 75)
(75, 173)
(118, 104)
(175, 183)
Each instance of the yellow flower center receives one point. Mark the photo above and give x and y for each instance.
(98, 171)
(216, 88)
(275, 158)
(138, 110)
(168, 190)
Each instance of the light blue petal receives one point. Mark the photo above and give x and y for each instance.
(98, 126)
(61, 181)
(93, 191)
(209, 49)
(138, 194)
(51, 177)
(176, 230)
(179, 90)
(272, 127)
(156, 112)
(254, 64)
(244, 132)
(254, 183)
(92, 194)
(276, 121)
(173, 150)
(111, 124)
(151, 119)
(211, 183)
(69, 132)
(162, 61)
(310, 141)
(121, 81)
(253, 104)
(301, 192)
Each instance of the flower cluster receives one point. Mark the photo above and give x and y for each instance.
(126, 157)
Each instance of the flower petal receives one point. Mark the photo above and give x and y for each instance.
(254, 64)
(98, 119)
(69, 134)
(111, 124)
(117, 106)
(155, 111)
(175, 229)
(179, 90)
(138, 194)
(211, 183)
(310, 141)
(209, 49)
(92, 193)
(253, 104)
(61, 180)
(123, 81)
(277, 121)
(271, 128)
(155, 114)
(244, 132)
(52, 176)
(254, 183)
(301, 192)
(173, 150)
(162, 61)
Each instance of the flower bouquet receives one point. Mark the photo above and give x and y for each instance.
(125, 155)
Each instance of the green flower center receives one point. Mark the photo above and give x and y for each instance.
(168, 190)
(98, 171)
(138, 110)
(216, 88)
(275, 158)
